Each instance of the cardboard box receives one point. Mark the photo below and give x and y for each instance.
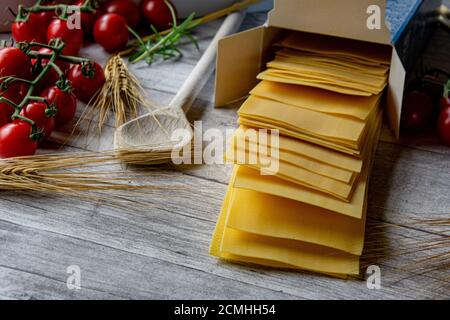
(405, 26)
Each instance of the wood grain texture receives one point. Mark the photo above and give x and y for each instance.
(161, 251)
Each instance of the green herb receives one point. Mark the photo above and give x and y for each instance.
(165, 46)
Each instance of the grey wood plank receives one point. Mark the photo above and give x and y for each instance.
(178, 230)
(409, 183)
(106, 272)
(425, 141)
(16, 284)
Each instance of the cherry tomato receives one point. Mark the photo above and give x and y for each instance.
(66, 103)
(127, 9)
(15, 140)
(36, 111)
(64, 66)
(5, 115)
(15, 94)
(444, 125)
(86, 87)
(158, 14)
(46, 17)
(444, 103)
(73, 38)
(110, 31)
(6, 112)
(87, 18)
(417, 111)
(51, 76)
(31, 30)
(3, 120)
(14, 62)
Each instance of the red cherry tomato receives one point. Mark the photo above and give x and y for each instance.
(444, 125)
(15, 140)
(14, 62)
(34, 29)
(73, 38)
(46, 17)
(36, 111)
(3, 120)
(87, 18)
(6, 112)
(110, 31)
(64, 66)
(417, 111)
(127, 9)
(65, 102)
(52, 76)
(86, 87)
(444, 102)
(158, 14)
(15, 94)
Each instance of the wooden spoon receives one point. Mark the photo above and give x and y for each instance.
(152, 132)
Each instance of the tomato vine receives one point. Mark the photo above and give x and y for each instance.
(61, 10)
(63, 84)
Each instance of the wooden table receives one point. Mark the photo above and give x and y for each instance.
(162, 252)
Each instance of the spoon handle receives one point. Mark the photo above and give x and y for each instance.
(205, 67)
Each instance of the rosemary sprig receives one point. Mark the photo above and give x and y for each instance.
(241, 5)
(165, 45)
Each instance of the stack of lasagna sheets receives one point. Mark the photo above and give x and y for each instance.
(323, 94)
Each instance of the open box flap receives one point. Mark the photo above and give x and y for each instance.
(343, 18)
(238, 61)
(397, 79)
(240, 58)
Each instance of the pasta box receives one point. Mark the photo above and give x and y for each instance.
(403, 25)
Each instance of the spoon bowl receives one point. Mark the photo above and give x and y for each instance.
(158, 133)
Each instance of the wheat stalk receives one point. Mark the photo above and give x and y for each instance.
(122, 95)
(414, 254)
(90, 176)
(56, 172)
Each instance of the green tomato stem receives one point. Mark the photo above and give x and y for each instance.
(10, 80)
(6, 100)
(89, 6)
(447, 90)
(19, 117)
(38, 99)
